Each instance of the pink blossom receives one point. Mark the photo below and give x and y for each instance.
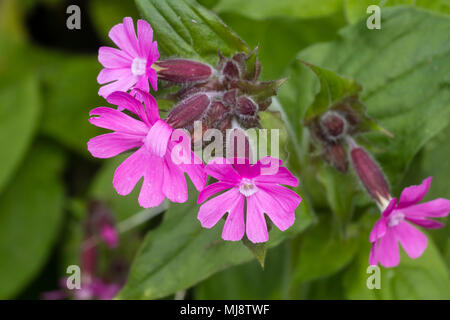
(396, 225)
(247, 183)
(131, 66)
(153, 159)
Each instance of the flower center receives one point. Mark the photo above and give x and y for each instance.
(247, 187)
(395, 219)
(138, 66)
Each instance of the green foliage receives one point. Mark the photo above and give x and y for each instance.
(31, 210)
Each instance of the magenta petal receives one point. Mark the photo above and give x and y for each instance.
(129, 172)
(413, 194)
(151, 194)
(158, 138)
(112, 119)
(211, 211)
(145, 36)
(426, 223)
(280, 218)
(142, 83)
(212, 189)
(174, 184)
(390, 207)
(412, 240)
(150, 106)
(196, 173)
(111, 144)
(234, 227)
(378, 230)
(387, 252)
(122, 37)
(256, 228)
(287, 199)
(113, 58)
(126, 101)
(107, 75)
(283, 176)
(222, 170)
(436, 208)
(372, 255)
(123, 84)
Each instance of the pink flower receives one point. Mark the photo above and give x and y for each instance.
(263, 194)
(153, 158)
(131, 66)
(396, 225)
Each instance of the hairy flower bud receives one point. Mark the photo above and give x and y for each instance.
(188, 111)
(337, 156)
(370, 174)
(183, 70)
(246, 106)
(333, 125)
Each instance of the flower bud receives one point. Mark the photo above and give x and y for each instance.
(333, 125)
(337, 156)
(188, 111)
(370, 174)
(183, 70)
(231, 70)
(245, 106)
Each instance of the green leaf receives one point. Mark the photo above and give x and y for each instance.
(180, 253)
(19, 111)
(31, 210)
(356, 9)
(423, 278)
(186, 29)
(395, 94)
(259, 250)
(324, 252)
(260, 9)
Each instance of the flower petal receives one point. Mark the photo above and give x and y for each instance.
(387, 251)
(378, 230)
(413, 194)
(221, 169)
(283, 176)
(114, 58)
(372, 255)
(111, 144)
(256, 227)
(234, 228)
(158, 138)
(211, 211)
(151, 194)
(280, 218)
(123, 84)
(287, 199)
(174, 185)
(112, 119)
(436, 208)
(426, 223)
(131, 171)
(412, 240)
(107, 75)
(212, 189)
(145, 36)
(123, 36)
(126, 101)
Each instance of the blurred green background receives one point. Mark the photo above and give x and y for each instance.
(47, 177)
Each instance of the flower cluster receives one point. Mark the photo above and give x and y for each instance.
(161, 153)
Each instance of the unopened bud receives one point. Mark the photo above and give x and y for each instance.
(333, 125)
(370, 174)
(183, 70)
(188, 111)
(231, 70)
(337, 156)
(245, 106)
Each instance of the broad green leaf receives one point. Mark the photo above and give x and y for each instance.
(180, 253)
(31, 210)
(356, 9)
(423, 278)
(249, 281)
(324, 252)
(395, 91)
(279, 39)
(71, 92)
(186, 29)
(19, 112)
(260, 9)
